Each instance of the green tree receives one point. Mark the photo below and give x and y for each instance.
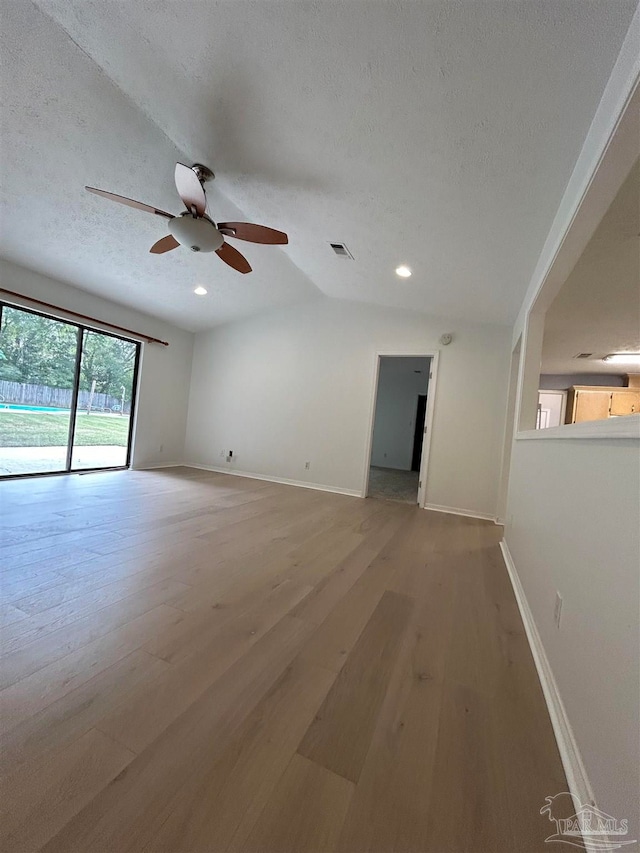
(40, 351)
(8, 371)
(36, 349)
(110, 361)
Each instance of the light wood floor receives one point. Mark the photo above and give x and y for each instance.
(199, 662)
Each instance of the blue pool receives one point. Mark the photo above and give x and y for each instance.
(15, 407)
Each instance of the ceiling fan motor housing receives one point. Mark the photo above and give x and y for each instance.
(199, 234)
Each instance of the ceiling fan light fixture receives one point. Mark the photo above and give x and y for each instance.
(198, 234)
(194, 229)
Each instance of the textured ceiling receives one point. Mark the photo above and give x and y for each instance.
(598, 308)
(440, 135)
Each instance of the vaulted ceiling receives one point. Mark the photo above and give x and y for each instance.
(439, 134)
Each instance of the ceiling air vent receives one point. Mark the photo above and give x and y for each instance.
(583, 355)
(341, 250)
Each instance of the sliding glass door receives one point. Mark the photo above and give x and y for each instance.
(103, 406)
(66, 395)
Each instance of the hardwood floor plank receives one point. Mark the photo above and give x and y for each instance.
(340, 735)
(305, 813)
(126, 814)
(329, 591)
(186, 636)
(218, 809)
(76, 712)
(30, 695)
(16, 585)
(40, 797)
(389, 810)
(140, 719)
(10, 614)
(54, 618)
(61, 642)
(339, 631)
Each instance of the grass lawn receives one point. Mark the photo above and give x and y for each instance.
(18, 429)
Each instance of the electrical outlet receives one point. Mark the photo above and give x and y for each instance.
(557, 610)
(230, 456)
(307, 465)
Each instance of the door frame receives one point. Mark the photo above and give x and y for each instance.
(511, 416)
(81, 329)
(428, 420)
(557, 392)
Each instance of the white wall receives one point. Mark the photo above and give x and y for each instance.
(396, 403)
(297, 385)
(574, 504)
(163, 387)
(572, 526)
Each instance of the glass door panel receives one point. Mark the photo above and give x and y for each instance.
(104, 404)
(38, 358)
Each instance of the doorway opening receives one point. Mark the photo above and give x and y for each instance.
(397, 460)
(67, 395)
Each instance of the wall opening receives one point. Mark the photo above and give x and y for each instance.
(399, 427)
(583, 342)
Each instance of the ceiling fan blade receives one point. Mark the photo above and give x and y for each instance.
(190, 189)
(253, 233)
(233, 257)
(165, 245)
(130, 202)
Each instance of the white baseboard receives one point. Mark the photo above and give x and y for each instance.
(452, 510)
(574, 768)
(320, 487)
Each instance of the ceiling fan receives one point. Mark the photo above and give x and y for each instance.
(193, 228)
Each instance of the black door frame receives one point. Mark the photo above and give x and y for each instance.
(81, 329)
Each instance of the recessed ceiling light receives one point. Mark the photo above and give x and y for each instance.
(623, 358)
(403, 272)
(200, 291)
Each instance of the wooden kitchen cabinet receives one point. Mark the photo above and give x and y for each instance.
(597, 403)
(586, 403)
(625, 401)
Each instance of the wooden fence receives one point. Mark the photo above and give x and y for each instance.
(22, 394)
